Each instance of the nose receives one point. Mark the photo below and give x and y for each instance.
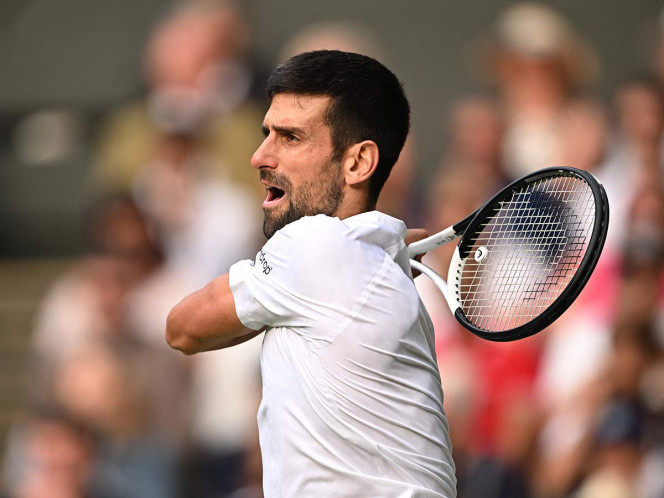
(264, 156)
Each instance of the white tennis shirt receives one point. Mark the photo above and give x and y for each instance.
(352, 401)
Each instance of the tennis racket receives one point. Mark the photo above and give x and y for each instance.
(525, 255)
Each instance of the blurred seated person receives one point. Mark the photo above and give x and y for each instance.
(616, 462)
(184, 150)
(204, 223)
(49, 455)
(105, 390)
(636, 157)
(94, 304)
(87, 302)
(474, 147)
(584, 135)
(201, 85)
(537, 63)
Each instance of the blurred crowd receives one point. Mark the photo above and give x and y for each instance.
(577, 411)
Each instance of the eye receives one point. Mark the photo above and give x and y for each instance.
(289, 137)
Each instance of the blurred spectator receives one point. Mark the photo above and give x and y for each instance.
(537, 63)
(184, 149)
(52, 458)
(183, 152)
(201, 84)
(595, 352)
(487, 396)
(551, 388)
(224, 402)
(102, 389)
(584, 135)
(474, 147)
(89, 304)
(642, 299)
(637, 151)
(138, 405)
(206, 224)
(113, 304)
(630, 441)
(398, 197)
(617, 457)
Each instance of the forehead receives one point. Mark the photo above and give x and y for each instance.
(288, 109)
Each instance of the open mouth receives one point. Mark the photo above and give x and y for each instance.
(273, 196)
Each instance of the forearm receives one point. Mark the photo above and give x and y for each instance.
(206, 320)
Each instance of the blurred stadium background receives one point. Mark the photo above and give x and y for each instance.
(76, 78)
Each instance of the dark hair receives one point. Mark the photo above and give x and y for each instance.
(367, 102)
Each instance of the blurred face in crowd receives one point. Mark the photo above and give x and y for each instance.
(477, 130)
(190, 41)
(582, 132)
(58, 460)
(296, 162)
(191, 60)
(537, 77)
(94, 386)
(640, 113)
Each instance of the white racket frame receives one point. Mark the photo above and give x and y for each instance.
(449, 288)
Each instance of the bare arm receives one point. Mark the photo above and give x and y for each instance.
(206, 320)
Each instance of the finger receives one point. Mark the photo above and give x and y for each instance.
(415, 234)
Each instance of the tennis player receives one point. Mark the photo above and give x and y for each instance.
(352, 401)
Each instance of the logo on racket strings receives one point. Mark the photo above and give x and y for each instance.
(481, 254)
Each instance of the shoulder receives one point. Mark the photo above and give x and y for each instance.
(316, 245)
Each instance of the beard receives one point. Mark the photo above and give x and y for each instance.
(320, 196)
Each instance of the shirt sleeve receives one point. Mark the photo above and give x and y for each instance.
(306, 277)
(261, 300)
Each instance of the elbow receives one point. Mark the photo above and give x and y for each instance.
(177, 334)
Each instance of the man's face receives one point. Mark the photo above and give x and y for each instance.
(296, 162)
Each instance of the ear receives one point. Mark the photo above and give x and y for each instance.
(360, 162)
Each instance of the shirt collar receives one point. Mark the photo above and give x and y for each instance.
(381, 218)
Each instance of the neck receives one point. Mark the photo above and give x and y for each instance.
(354, 202)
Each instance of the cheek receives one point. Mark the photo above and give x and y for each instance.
(309, 172)
(311, 168)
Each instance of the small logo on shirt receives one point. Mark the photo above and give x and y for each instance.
(263, 263)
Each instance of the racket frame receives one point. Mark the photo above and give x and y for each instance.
(465, 229)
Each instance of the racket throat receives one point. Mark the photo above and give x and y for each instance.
(453, 296)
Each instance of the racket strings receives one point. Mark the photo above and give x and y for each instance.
(534, 244)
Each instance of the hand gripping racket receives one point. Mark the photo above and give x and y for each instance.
(525, 255)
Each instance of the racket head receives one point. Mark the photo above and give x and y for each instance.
(528, 252)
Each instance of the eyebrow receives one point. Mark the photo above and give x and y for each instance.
(283, 130)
